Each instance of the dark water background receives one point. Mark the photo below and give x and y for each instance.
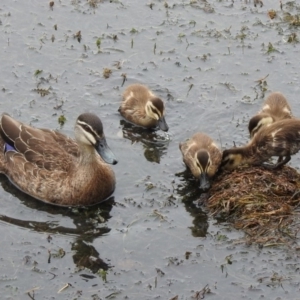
(204, 59)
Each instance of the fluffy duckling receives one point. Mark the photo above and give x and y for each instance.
(202, 156)
(280, 139)
(141, 107)
(275, 108)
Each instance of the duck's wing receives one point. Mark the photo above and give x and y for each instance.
(43, 148)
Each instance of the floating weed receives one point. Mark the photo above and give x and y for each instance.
(158, 215)
(133, 31)
(78, 36)
(271, 48)
(124, 75)
(60, 253)
(62, 120)
(190, 87)
(64, 287)
(103, 274)
(181, 35)
(292, 19)
(258, 2)
(38, 72)
(293, 38)
(149, 186)
(98, 43)
(43, 92)
(272, 13)
(221, 237)
(193, 23)
(201, 294)
(263, 85)
(106, 73)
(93, 3)
(229, 85)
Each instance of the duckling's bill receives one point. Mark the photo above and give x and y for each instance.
(204, 182)
(163, 124)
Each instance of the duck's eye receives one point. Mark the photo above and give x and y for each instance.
(87, 129)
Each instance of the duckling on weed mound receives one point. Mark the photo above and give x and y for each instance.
(280, 139)
(202, 156)
(51, 167)
(141, 107)
(275, 108)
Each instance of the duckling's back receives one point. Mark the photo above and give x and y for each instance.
(277, 106)
(139, 93)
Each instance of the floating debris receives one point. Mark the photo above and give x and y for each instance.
(106, 73)
(262, 202)
(272, 13)
(62, 120)
(78, 36)
(43, 92)
(37, 72)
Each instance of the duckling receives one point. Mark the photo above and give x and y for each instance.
(280, 139)
(202, 156)
(141, 107)
(275, 108)
(53, 168)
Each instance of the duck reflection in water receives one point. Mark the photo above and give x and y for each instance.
(88, 223)
(188, 189)
(155, 143)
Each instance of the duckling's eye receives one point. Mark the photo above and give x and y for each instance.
(155, 112)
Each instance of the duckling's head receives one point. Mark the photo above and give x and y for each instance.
(231, 159)
(258, 122)
(89, 133)
(155, 109)
(203, 163)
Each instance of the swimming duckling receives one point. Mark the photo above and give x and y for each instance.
(275, 108)
(280, 139)
(141, 107)
(202, 156)
(51, 167)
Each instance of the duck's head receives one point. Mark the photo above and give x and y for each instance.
(257, 122)
(89, 132)
(231, 159)
(155, 109)
(203, 162)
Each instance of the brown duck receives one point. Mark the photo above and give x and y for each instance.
(53, 168)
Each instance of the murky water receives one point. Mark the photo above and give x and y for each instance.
(150, 241)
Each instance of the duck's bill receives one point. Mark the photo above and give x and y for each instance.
(105, 152)
(204, 182)
(162, 124)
